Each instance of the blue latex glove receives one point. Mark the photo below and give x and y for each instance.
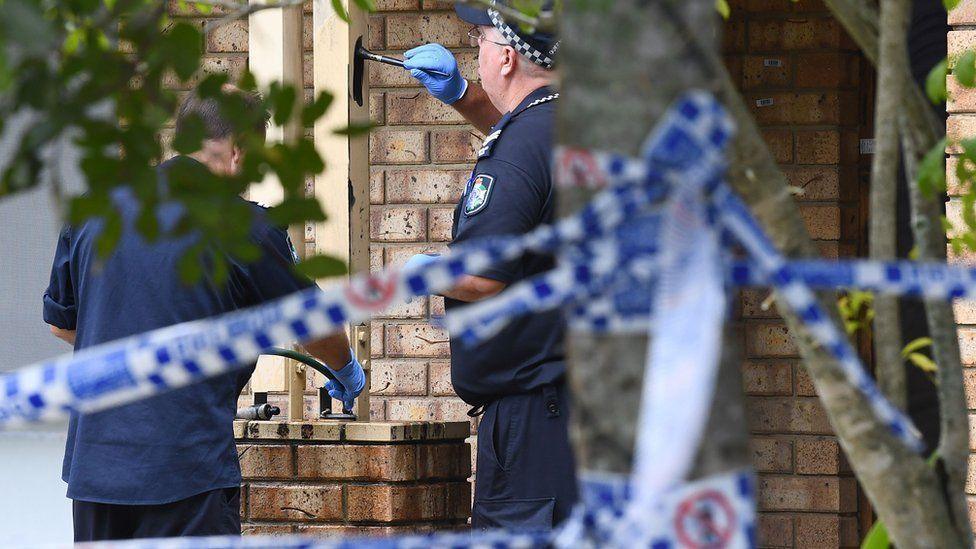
(419, 260)
(351, 378)
(423, 59)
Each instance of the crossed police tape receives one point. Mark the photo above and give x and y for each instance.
(608, 253)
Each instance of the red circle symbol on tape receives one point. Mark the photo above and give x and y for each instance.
(705, 520)
(374, 293)
(578, 168)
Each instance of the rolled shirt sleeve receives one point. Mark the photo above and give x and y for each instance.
(59, 298)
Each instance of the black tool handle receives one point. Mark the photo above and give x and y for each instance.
(395, 62)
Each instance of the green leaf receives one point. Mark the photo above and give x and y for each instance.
(935, 82)
(340, 10)
(965, 69)
(190, 137)
(931, 170)
(923, 362)
(915, 345)
(366, 5)
(184, 46)
(283, 103)
(318, 107)
(950, 4)
(109, 236)
(723, 8)
(321, 266)
(877, 537)
(296, 210)
(354, 129)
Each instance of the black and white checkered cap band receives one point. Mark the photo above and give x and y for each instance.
(517, 42)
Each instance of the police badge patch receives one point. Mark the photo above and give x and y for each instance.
(480, 193)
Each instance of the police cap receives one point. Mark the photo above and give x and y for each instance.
(540, 47)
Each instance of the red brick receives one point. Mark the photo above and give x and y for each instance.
(757, 73)
(780, 143)
(397, 5)
(823, 182)
(440, 379)
(964, 13)
(787, 415)
(376, 33)
(377, 183)
(388, 503)
(818, 456)
(803, 108)
(440, 223)
(398, 224)
(795, 34)
(757, 303)
(425, 186)
(398, 377)
(231, 37)
(416, 340)
(734, 36)
(387, 462)
(265, 461)
(412, 409)
(959, 42)
(397, 146)
(376, 340)
(959, 127)
(398, 255)
(301, 503)
(436, 305)
(775, 530)
(969, 380)
(454, 146)
(771, 455)
(823, 221)
(452, 409)
(767, 378)
(248, 529)
(817, 531)
(850, 535)
(377, 108)
(444, 461)
(972, 432)
(818, 147)
(831, 69)
(408, 31)
(419, 107)
(416, 308)
(791, 493)
(733, 64)
(769, 340)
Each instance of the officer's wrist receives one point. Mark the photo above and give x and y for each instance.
(464, 91)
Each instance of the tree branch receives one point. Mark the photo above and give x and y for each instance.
(882, 233)
(240, 10)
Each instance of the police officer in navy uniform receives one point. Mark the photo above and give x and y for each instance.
(525, 470)
(168, 466)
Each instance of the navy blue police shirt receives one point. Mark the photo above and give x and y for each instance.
(510, 193)
(180, 443)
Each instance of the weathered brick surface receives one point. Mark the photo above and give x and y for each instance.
(266, 461)
(391, 503)
(302, 503)
(792, 493)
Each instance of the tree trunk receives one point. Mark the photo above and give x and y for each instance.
(882, 222)
(611, 96)
(613, 89)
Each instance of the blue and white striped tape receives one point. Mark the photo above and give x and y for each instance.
(607, 253)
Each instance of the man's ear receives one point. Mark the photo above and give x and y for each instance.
(509, 61)
(237, 154)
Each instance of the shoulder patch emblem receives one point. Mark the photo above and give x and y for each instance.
(480, 193)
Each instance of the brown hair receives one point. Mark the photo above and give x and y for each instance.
(215, 125)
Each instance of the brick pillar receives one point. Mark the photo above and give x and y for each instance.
(420, 155)
(962, 125)
(799, 73)
(330, 478)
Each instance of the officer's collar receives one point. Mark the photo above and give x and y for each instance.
(536, 95)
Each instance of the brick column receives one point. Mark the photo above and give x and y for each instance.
(330, 478)
(799, 73)
(962, 125)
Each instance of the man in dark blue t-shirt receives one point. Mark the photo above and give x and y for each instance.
(167, 466)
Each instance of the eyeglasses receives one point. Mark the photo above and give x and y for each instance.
(476, 36)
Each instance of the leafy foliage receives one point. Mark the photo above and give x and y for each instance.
(91, 77)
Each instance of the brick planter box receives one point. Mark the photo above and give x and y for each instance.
(327, 477)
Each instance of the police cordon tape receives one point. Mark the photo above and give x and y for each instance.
(607, 250)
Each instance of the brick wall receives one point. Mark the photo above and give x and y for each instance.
(333, 478)
(962, 125)
(801, 75)
(420, 158)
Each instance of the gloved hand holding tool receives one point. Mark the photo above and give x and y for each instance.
(427, 66)
(351, 380)
(437, 69)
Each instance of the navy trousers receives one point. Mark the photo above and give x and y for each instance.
(213, 513)
(526, 478)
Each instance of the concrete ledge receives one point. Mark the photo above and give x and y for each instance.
(352, 431)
